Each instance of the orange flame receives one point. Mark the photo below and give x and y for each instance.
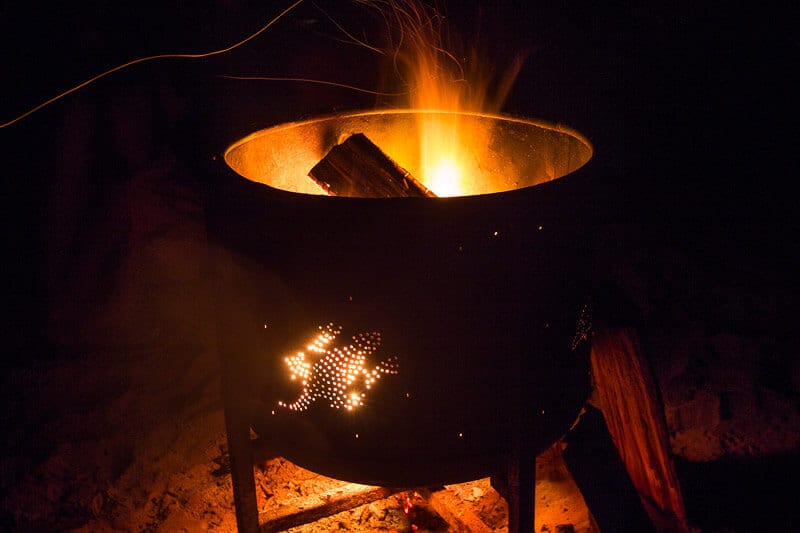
(438, 81)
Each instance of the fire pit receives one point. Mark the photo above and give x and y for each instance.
(395, 341)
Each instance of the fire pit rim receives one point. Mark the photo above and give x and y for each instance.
(359, 113)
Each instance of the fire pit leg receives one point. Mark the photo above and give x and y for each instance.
(517, 483)
(240, 449)
(521, 488)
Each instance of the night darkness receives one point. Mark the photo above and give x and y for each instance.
(691, 107)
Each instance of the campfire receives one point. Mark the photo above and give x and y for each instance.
(402, 292)
(435, 251)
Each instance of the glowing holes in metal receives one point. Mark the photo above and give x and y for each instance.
(338, 374)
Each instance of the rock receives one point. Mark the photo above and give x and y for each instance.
(702, 411)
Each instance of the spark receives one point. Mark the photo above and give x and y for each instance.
(200, 55)
(311, 80)
(583, 330)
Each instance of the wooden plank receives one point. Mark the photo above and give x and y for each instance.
(358, 168)
(595, 465)
(466, 521)
(237, 425)
(307, 509)
(631, 405)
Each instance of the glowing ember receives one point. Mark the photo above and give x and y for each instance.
(338, 374)
(583, 331)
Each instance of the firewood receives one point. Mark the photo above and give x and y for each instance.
(307, 509)
(628, 397)
(357, 167)
(600, 473)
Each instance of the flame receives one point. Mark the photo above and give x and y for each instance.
(445, 176)
(438, 81)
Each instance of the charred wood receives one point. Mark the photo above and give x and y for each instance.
(358, 168)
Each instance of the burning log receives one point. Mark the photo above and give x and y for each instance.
(357, 167)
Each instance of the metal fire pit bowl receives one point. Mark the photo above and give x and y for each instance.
(478, 298)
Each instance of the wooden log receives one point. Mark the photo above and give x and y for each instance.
(629, 400)
(237, 425)
(307, 509)
(599, 472)
(358, 168)
(465, 521)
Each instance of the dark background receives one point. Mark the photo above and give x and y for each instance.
(691, 108)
